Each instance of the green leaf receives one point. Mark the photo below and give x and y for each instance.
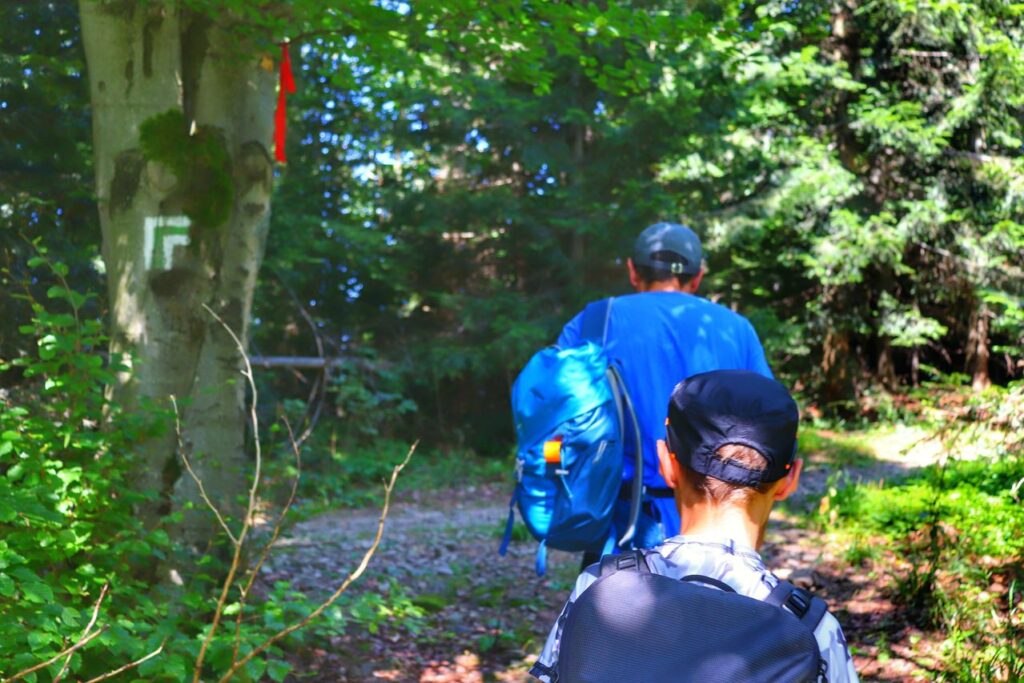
(37, 592)
(70, 617)
(7, 513)
(38, 640)
(16, 471)
(278, 670)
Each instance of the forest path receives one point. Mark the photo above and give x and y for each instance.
(484, 617)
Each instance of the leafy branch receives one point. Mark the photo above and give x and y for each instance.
(90, 633)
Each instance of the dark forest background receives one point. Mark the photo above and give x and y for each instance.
(854, 171)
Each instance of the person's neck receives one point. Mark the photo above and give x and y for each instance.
(736, 523)
(663, 286)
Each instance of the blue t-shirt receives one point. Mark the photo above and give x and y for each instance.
(659, 339)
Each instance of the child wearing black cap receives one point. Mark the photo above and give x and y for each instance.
(729, 455)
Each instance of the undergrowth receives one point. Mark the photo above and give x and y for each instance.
(77, 567)
(340, 475)
(956, 535)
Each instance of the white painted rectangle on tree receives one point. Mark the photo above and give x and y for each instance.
(162, 234)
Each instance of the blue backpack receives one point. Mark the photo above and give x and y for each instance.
(569, 406)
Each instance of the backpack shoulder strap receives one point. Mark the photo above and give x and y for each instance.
(808, 608)
(624, 404)
(594, 324)
(632, 560)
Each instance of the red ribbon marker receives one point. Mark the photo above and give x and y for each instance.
(287, 85)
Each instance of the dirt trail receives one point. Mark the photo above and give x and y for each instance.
(486, 617)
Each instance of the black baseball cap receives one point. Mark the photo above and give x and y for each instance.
(714, 409)
(668, 247)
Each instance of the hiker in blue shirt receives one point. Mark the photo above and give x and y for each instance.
(657, 336)
(728, 452)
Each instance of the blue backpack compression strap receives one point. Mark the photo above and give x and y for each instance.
(625, 406)
(509, 523)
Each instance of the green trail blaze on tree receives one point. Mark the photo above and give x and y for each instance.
(199, 160)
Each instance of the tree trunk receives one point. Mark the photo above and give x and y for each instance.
(885, 369)
(843, 45)
(978, 348)
(838, 389)
(182, 227)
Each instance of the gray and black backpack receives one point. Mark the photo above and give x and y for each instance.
(637, 626)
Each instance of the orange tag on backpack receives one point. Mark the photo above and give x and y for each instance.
(553, 450)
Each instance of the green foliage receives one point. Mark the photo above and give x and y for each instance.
(463, 177)
(68, 529)
(958, 529)
(856, 190)
(367, 396)
(973, 497)
(342, 474)
(200, 161)
(45, 158)
(66, 522)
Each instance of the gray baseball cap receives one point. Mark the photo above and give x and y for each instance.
(668, 247)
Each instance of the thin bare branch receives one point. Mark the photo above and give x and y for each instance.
(42, 665)
(88, 627)
(318, 394)
(195, 477)
(87, 636)
(250, 509)
(63, 670)
(126, 667)
(976, 157)
(254, 571)
(925, 54)
(356, 573)
(253, 418)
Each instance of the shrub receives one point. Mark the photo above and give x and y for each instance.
(76, 565)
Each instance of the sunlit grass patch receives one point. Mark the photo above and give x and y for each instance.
(837, 448)
(948, 541)
(975, 499)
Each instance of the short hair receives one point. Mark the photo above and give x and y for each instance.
(718, 491)
(649, 275)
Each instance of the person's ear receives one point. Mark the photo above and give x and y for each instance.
(790, 482)
(634, 279)
(694, 283)
(666, 464)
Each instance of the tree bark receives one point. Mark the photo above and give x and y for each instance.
(978, 348)
(843, 45)
(885, 369)
(839, 386)
(163, 262)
